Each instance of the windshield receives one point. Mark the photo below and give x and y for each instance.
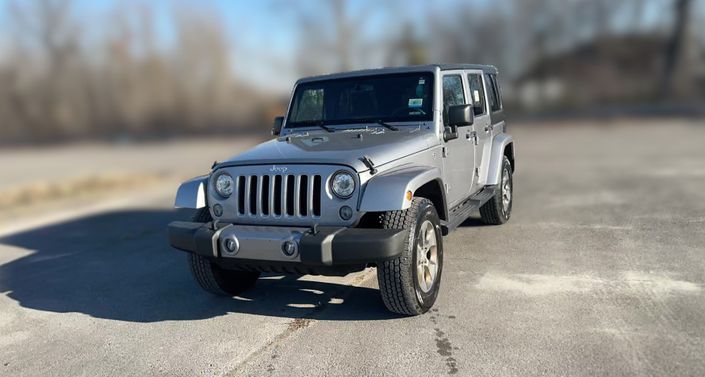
(387, 98)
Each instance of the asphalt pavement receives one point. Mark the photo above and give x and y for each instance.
(600, 271)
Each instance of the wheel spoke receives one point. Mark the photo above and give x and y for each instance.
(426, 256)
(506, 190)
(431, 239)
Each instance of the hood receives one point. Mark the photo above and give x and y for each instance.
(344, 147)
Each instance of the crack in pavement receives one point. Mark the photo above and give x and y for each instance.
(301, 323)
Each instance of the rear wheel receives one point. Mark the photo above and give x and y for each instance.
(498, 209)
(214, 279)
(409, 284)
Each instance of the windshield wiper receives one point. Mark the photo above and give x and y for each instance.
(386, 125)
(317, 123)
(323, 126)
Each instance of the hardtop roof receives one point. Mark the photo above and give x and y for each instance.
(404, 69)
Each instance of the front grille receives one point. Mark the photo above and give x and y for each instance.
(280, 195)
(294, 195)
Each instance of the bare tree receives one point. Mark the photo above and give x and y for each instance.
(676, 68)
(335, 37)
(46, 31)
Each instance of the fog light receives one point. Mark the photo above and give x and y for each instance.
(289, 248)
(218, 210)
(346, 213)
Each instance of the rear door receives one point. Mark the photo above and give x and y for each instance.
(481, 137)
(491, 126)
(459, 153)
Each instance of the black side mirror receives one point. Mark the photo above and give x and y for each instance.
(277, 127)
(450, 133)
(461, 115)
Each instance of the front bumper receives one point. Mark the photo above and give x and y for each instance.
(262, 246)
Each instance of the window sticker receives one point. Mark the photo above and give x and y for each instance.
(476, 95)
(422, 81)
(415, 103)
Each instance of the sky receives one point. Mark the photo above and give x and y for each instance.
(250, 25)
(262, 34)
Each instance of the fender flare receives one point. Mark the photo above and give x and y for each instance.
(387, 191)
(192, 193)
(494, 172)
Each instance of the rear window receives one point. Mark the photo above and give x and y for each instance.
(493, 93)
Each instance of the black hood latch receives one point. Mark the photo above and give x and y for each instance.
(368, 162)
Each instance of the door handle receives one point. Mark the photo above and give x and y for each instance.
(488, 128)
(471, 136)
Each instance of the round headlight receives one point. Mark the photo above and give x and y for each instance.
(342, 184)
(224, 185)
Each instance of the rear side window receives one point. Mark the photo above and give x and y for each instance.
(453, 91)
(493, 93)
(477, 94)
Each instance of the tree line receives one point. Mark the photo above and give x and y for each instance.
(63, 77)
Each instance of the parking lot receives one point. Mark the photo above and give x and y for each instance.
(600, 271)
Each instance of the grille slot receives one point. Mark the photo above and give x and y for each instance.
(277, 196)
(252, 194)
(280, 195)
(316, 194)
(240, 195)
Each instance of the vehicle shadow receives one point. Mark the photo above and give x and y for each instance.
(472, 222)
(118, 265)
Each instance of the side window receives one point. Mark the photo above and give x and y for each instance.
(497, 91)
(477, 94)
(492, 93)
(310, 106)
(453, 91)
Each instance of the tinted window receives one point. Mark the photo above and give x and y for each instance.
(453, 91)
(310, 106)
(497, 91)
(395, 97)
(495, 104)
(477, 93)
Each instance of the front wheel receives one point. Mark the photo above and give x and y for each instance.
(214, 279)
(409, 284)
(219, 281)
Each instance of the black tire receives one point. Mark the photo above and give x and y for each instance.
(493, 212)
(398, 281)
(214, 279)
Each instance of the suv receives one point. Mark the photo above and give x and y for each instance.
(368, 168)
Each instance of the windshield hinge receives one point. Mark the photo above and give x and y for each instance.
(444, 152)
(368, 162)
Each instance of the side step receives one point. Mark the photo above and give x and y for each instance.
(458, 214)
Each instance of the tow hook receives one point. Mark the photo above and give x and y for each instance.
(314, 229)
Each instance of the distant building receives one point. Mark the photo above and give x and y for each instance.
(607, 71)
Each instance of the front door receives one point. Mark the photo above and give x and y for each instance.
(459, 161)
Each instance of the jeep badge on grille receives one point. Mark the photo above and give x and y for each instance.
(278, 169)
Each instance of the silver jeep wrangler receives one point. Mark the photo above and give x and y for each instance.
(369, 168)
